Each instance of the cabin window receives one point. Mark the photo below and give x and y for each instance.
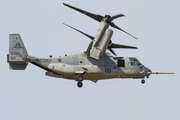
(121, 63)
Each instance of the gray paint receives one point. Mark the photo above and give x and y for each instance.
(70, 67)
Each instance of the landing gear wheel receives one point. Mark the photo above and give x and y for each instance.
(80, 78)
(142, 81)
(79, 84)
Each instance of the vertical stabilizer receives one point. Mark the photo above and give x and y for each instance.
(17, 52)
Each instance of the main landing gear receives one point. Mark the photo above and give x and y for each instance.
(79, 83)
(142, 81)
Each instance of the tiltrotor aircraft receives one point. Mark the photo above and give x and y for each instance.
(94, 64)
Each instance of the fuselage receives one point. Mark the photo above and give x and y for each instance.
(81, 64)
(93, 64)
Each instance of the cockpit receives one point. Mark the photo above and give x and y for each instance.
(129, 61)
(134, 62)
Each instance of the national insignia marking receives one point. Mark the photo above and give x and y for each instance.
(59, 60)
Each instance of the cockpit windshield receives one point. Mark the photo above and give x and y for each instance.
(134, 62)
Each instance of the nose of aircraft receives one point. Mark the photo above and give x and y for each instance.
(145, 69)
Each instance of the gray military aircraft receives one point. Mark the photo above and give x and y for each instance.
(94, 64)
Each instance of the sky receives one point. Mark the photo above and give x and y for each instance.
(30, 95)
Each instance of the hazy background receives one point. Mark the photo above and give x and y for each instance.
(30, 95)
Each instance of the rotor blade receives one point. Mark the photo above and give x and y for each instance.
(113, 25)
(94, 16)
(111, 51)
(116, 16)
(89, 36)
(113, 45)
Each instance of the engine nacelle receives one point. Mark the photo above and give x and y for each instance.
(100, 46)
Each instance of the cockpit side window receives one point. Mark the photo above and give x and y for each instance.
(134, 62)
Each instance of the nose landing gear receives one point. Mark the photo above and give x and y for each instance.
(143, 81)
